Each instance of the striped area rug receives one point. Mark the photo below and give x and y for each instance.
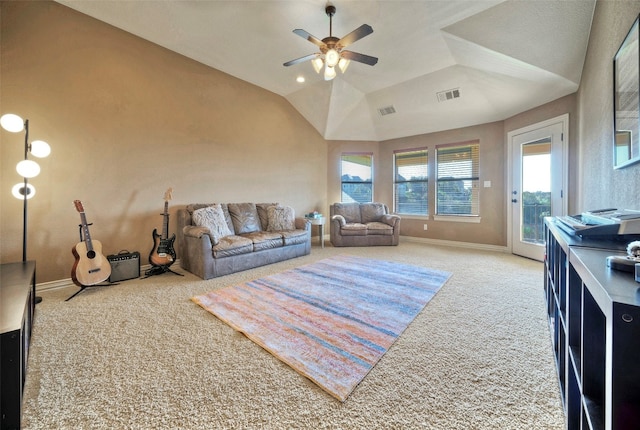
(332, 320)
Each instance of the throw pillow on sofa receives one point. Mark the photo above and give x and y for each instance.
(281, 218)
(212, 217)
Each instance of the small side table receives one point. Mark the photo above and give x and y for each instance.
(320, 223)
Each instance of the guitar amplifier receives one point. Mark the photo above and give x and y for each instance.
(124, 265)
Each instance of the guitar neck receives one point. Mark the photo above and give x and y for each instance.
(85, 231)
(165, 223)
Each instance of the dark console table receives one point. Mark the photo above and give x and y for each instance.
(594, 316)
(17, 307)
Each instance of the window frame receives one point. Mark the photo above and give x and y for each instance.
(343, 182)
(425, 181)
(473, 147)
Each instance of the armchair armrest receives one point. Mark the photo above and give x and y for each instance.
(390, 219)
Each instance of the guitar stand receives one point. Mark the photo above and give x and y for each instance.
(159, 270)
(83, 287)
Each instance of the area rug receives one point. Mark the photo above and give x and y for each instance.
(332, 320)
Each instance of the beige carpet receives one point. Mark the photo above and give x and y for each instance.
(142, 355)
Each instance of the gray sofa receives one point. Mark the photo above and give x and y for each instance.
(363, 224)
(218, 239)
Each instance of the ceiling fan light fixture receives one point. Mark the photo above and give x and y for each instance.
(317, 64)
(331, 49)
(329, 73)
(332, 57)
(343, 64)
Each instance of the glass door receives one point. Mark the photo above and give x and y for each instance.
(536, 185)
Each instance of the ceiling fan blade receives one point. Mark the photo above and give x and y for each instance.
(360, 58)
(311, 38)
(355, 35)
(302, 59)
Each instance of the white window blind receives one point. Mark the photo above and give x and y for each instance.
(458, 174)
(411, 182)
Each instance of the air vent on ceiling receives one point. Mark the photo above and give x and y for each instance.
(451, 94)
(387, 110)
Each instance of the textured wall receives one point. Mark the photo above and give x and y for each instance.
(601, 185)
(492, 228)
(127, 119)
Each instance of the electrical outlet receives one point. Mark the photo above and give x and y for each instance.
(425, 226)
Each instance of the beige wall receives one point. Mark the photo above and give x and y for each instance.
(492, 228)
(126, 120)
(601, 185)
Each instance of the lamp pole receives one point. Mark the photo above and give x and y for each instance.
(25, 192)
(27, 169)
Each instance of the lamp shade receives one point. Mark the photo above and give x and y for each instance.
(40, 148)
(329, 73)
(343, 64)
(317, 64)
(28, 169)
(12, 122)
(18, 191)
(332, 57)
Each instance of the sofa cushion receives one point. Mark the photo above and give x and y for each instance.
(379, 228)
(354, 229)
(370, 212)
(281, 218)
(227, 217)
(264, 240)
(350, 211)
(244, 217)
(232, 245)
(212, 218)
(294, 237)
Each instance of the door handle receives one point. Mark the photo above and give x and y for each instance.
(514, 200)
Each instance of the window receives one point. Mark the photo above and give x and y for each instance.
(411, 182)
(458, 167)
(356, 174)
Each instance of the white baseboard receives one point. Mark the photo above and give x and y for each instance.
(68, 282)
(456, 244)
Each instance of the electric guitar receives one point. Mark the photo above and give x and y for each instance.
(162, 254)
(90, 267)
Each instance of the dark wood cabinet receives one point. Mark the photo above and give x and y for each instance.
(594, 316)
(17, 307)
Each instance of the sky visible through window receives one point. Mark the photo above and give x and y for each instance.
(356, 170)
(536, 173)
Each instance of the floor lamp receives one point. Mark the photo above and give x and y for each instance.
(26, 168)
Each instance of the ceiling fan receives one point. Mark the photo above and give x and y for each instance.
(332, 52)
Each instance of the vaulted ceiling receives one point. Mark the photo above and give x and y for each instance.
(503, 57)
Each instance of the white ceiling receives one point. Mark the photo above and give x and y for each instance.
(505, 57)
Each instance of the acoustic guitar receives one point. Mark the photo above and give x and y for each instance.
(90, 267)
(162, 254)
